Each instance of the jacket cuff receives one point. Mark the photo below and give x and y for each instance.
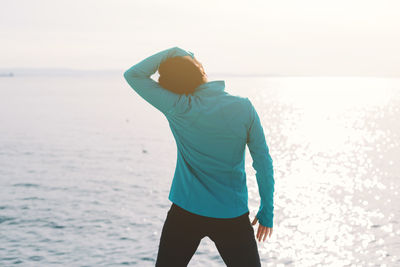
(264, 219)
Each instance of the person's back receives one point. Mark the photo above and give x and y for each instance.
(211, 129)
(211, 140)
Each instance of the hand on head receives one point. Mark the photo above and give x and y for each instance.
(197, 63)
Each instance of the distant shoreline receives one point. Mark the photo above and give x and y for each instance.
(13, 72)
(9, 74)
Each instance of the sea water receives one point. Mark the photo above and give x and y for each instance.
(86, 166)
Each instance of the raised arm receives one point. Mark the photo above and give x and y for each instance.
(138, 77)
(262, 163)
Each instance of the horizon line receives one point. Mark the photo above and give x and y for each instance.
(69, 70)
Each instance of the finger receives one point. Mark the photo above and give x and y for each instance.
(266, 233)
(259, 232)
(263, 233)
(270, 232)
(254, 221)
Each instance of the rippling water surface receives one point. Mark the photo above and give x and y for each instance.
(86, 168)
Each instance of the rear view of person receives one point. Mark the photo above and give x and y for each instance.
(208, 191)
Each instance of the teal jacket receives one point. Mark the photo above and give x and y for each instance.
(211, 129)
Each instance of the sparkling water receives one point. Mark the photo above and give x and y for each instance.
(86, 166)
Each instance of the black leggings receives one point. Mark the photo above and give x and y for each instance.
(183, 231)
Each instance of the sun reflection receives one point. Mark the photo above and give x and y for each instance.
(333, 149)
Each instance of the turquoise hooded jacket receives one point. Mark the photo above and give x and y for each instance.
(211, 129)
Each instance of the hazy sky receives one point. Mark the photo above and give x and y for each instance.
(264, 37)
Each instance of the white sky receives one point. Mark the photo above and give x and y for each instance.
(339, 37)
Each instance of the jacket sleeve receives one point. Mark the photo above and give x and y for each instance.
(138, 77)
(262, 163)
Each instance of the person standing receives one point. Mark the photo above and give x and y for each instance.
(208, 192)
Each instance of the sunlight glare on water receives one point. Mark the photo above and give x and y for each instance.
(332, 148)
(86, 167)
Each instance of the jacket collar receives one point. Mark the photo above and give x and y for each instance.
(210, 88)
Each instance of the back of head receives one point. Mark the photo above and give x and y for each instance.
(179, 75)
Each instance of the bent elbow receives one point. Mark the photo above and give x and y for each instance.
(126, 74)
